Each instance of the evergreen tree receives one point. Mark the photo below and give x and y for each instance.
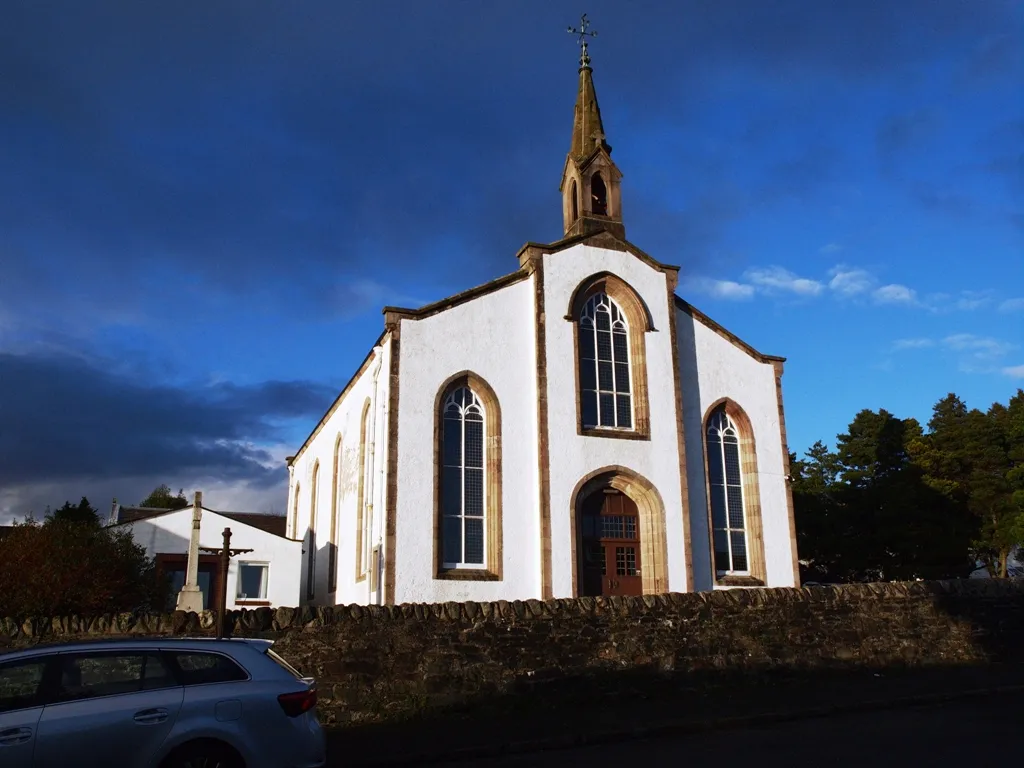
(83, 512)
(163, 498)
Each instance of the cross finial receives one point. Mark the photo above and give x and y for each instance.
(582, 35)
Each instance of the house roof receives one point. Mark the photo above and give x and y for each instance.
(274, 524)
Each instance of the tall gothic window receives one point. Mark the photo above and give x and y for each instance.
(364, 497)
(604, 366)
(311, 546)
(332, 544)
(575, 200)
(725, 480)
(464, 427)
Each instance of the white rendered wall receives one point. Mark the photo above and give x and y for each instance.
(346, 420)
(492, 336)
(712, 367)
(573, 456)
(170, 534)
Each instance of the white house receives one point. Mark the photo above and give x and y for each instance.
(572, 428)
(269, 575)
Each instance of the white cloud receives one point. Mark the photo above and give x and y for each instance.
(721, 289)
(830, 248)
(729, 289)
(1012, 305)
(973, 299)
(912, 344)
(1016, 371)
(979, 347)
(850, 282)
(777, 278)
(894, 293)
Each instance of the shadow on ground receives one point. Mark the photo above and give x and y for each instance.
(613, 706)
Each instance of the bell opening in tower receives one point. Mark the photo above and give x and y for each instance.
(575, 202)
(599, 195)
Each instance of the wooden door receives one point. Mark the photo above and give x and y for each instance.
(611, 545)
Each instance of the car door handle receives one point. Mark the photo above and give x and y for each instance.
(150, 716)
(13, 736)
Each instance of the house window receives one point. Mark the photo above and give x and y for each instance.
(725, 481)
(604, 367)
(252, 581)
(462, 480)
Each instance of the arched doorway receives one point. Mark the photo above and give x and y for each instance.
(618, 524)
(611, 559)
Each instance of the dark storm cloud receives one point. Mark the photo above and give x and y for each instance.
(62, 417)
(238, 137)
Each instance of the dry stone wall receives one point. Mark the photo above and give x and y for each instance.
(385, 662)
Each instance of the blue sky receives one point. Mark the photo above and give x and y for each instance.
(202, 210)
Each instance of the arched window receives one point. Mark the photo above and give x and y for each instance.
(598, 195)
(462, 480)
(610, 322)
(468, 480)
(728, 520)
(604, 365)
(332, 545)
(363, 503)
(575, 201)
(733, 496)
(311, 546)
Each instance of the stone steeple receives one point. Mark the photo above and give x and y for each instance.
(591, 199)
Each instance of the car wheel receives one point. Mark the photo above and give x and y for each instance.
(204, 754)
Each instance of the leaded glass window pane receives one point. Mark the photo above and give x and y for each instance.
(605, 386)
(463, 479)
(623, 412)
(452, 442)
(474, 554)
(725, 480)
(452, 539)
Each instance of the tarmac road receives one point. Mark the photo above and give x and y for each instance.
(970, 732)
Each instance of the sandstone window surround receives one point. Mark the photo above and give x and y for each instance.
(362, 514)
(467, 481)
(332, 544)
(609, 326)
(734, 502)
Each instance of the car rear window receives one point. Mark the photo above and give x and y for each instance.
(283, 664)
(91, 675)
(198, 668)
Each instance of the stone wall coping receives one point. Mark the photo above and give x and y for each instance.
(272, 620)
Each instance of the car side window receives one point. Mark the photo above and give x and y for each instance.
(197, 668)
(90, 675)
(21, 684)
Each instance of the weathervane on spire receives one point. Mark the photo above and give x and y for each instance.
(582, 41)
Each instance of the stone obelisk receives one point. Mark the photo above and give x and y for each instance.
(191, 597)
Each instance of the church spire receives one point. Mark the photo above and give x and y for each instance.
(591, 200)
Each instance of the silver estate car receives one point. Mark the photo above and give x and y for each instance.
(157, 703)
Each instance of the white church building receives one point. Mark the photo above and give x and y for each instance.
(572, 428)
